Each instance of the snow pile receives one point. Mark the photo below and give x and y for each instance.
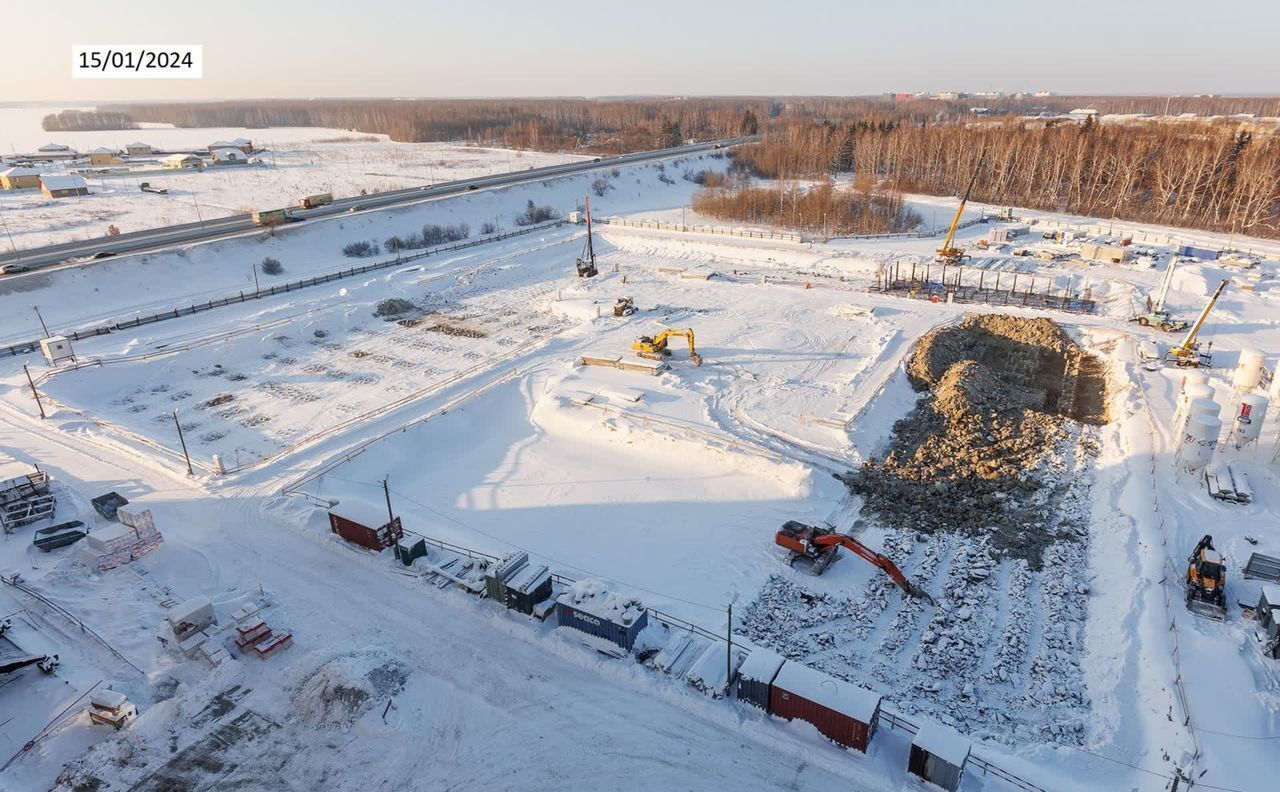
(337, 693)
(595, 598)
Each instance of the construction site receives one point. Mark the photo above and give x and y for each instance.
(972, 531)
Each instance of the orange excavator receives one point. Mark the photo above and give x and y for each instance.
(821, 546)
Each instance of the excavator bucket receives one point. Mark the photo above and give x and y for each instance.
(1208, 610)
(920, 593)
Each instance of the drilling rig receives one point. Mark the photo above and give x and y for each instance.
(949, 253)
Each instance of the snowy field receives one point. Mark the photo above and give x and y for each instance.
(295, 161)
(473, 406)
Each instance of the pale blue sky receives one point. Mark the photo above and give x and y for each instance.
(449, 49)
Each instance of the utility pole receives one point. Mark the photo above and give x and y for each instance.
(183, 440)
(256, 289)
(197, 205)
(36, 308)
(386, 490)
(728, 654)
(5, 219)
(34, 392)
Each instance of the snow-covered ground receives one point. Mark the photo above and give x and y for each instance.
(489, 434)
(294, 162)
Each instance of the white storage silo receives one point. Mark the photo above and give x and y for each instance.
(1191, 376)
(1199, 406)
(1190, 392)
(1248, 371)
(1198, 441)
(1246, 423)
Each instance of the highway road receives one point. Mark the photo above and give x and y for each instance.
(86, 250)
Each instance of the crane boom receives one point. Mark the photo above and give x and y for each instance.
(947, 251)
(1188, 346)
(1158, 306)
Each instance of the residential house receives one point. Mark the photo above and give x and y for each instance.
(19, 178)
(181, 161)
(229, 156)
(63, 186)
(138, 149)
(104, 156)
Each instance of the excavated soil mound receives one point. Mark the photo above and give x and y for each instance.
(976, 454)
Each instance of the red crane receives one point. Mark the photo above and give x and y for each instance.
(822, 545)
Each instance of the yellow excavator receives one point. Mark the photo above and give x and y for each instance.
(1188, 354)
(949, 253)
(657, 348)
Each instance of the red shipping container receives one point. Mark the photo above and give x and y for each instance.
(379, 538)
(844, 713)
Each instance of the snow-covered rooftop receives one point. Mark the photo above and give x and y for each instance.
(1272, 593)
(529, 577)
(63, 182)
(943, 742)
(102, 150)
(19, 170)
(54, 147)
(594, 598)
(179, 157)
(836, 694)
(761, 665)
(370, 515)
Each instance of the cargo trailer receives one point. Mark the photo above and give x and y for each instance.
(843, 712)
(312, 201)
(270, 217)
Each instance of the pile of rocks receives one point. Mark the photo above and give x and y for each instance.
(972, 456)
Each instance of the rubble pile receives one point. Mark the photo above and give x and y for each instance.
(1000, 392)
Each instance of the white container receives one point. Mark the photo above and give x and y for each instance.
(1248, 371)
(1246, 423)
(1197, 407)
(1190, 392)
(1198, 441)
(1275, 385)
(1193, 376)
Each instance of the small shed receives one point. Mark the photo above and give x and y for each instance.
(1266, 613)
(191, 616)
(56, 349)
(138, 149)
(19, 178)
(63, 186)
(363, 527)
(176, 161)
(528, 587)
(845, 713)
(938, 755)
(495, 582)
(104, 156)
(1194, 251)
(756, 675)
(588, 606)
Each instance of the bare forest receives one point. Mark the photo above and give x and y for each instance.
(820, 208)
(1217, 176)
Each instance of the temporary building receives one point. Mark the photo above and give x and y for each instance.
(1113, 254)
(938, 755)
(588, 606)
(181, 161)
(19, 178)
(1266, 613)
(1205, 253)
(845, 713)
(191, 616)
(56, 349)
(228, 156)
(528, 587)
(755, 677)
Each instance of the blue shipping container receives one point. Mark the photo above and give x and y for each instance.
(1199, 252)
(623, 635)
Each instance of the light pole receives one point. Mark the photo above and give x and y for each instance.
(4, 217)
(36, 308)
(197, 205)
(256, 289)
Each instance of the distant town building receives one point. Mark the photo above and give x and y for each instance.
(1083, 112)
(63, 186)
(19, 178)
(104, 156)
(181, 161)
(53, 151)
(228, 156)
(138, 149)
(979, 110)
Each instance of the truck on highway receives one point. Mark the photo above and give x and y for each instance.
(312, 201)
(270, 217)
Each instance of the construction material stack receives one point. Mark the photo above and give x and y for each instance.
(25, 499)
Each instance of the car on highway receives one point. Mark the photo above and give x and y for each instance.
(14, 269)
(472, 187)
(101, 254)
(355, 208)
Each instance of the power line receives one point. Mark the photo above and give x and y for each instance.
(713, 608)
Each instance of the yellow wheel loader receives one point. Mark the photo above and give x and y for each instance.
(1206, 581)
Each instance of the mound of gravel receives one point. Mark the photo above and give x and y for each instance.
(975, 456)
(393, 308)
(339, 691)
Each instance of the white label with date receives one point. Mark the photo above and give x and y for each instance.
(137, 61)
